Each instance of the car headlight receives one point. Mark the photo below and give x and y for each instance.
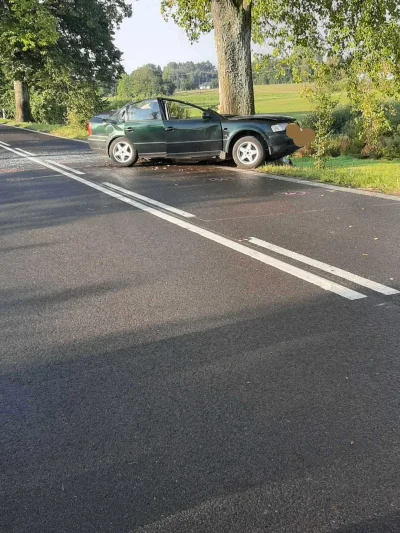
(279, 127)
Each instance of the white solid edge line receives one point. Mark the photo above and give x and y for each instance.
(65, 167)
(364, 282)
(5, 144)
(44, 133)
(334, 187)
(150, 200)
(245, 250)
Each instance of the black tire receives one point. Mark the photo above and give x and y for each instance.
(248, 152)
(126, 155)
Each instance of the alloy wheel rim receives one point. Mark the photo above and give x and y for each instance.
(247, 153)
(122, 152)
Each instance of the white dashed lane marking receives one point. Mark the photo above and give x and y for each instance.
(149, 200)
(65, 167)
(354, 278)
(323, 283)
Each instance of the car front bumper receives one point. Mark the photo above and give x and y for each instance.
(281, 146)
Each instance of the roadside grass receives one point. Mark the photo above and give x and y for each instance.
(69, 131)
(378, 175)
(277, 98)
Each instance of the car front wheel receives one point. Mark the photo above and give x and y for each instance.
(123, 152)
(248, 152)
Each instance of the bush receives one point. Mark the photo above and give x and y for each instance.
(339, 145)
(82, 103)
(336, 145)
(393, 115)
(347, 138)
(390, 146)
(342, 117)
(46, 107)
(341, 120)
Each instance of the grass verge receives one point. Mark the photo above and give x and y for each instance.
(71, 132)
(378, 175)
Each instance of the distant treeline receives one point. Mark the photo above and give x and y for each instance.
(152, 80)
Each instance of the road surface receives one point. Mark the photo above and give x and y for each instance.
(194, 348)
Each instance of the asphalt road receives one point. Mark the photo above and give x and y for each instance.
(162, 373)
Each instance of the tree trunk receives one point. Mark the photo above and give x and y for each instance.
(22, 104)
(232, 30)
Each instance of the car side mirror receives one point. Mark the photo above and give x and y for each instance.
(206, 115)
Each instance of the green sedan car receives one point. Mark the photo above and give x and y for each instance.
(165, 128)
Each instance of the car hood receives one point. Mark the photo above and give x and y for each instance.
(273, 118)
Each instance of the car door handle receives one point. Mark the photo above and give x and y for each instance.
(170, 128)
(130, 129)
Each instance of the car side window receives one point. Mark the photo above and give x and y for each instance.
(145, 110)
(179, 111)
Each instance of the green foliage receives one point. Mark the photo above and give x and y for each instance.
(27, 29)
(144, 82)
(86, 34)
(347, 133)
(82, 104)
(267, 70)
(189, 76)
(124, 88)
(113, 104)
(320, 94)
(192, 15)
(60, 48)
(6, 97)
(373, 124)
(151, 80)
(47, 106)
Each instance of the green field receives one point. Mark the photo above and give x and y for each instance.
(280, 98)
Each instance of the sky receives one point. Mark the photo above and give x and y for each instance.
(147, 38)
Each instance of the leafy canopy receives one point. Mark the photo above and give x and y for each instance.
(76, 35)
(27, 29)
(363, 34)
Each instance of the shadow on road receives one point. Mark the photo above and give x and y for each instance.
(225, 425)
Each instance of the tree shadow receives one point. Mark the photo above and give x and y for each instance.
(51, 202)
(119, 431)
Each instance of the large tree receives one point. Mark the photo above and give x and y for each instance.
(364, 34)
(232, 23)
(74, 39)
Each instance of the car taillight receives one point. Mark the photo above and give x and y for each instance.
(89, 128)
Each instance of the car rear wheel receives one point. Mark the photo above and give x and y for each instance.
(248, 152)
(123, 152)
